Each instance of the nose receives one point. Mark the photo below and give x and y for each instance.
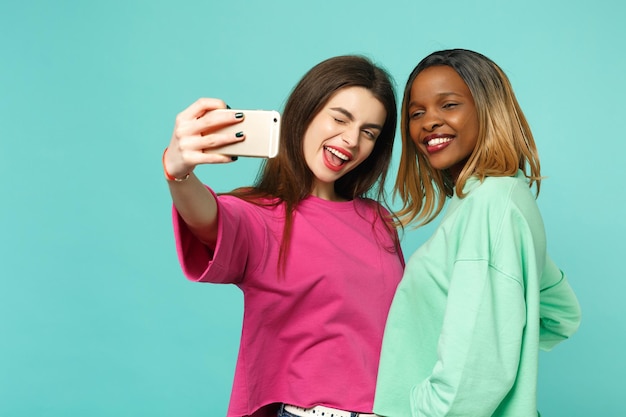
(350, 138)
(432, 121)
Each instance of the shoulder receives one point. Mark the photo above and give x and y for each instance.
(251, 203)
(496, 198)
(372, 208)
(232, 202)
(497, 186)
(368, 203)
(506, 203)
(259, 211)
(500, 190)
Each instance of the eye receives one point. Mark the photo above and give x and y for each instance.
(340, 121)
(370, 134)
(416, 114)
(450, 105)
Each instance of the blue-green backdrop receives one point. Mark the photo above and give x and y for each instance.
(96, 318)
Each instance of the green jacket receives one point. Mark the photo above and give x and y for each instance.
(474, 306)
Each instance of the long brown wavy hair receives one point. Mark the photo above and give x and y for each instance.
(505, 142)
(287, 178)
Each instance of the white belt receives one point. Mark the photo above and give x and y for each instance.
(321, 411)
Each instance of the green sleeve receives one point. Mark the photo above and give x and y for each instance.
(559, 310)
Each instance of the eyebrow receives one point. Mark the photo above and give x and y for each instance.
(350, 116)
(440, 95)
(449, 93)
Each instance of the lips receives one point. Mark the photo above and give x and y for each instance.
(435, 143)
(335, 158)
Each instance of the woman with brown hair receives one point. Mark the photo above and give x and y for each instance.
(310, 243)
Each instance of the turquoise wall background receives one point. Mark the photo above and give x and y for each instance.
(96, 318)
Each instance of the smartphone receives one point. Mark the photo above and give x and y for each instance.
(262, 130)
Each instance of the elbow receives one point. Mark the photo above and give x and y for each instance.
(571, 319)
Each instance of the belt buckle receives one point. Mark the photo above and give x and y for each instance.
(317, 411)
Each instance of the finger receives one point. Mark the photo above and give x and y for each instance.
(205, 158)
(211, 121)
(200, 107)
(214, 141)
(188, 145)
(217, 158)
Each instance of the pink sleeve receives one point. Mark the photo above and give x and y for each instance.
(235, 236)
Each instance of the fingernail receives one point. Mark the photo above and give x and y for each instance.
(239, 134)
(238, 115)
(234, 158)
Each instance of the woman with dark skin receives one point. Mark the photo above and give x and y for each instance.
(480, 298)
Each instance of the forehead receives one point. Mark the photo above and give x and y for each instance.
(351, 95)
(360, 103)
(438, 81)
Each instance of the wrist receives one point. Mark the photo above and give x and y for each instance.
(168, 175)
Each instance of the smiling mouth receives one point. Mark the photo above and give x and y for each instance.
(338, 158)
(437, 141)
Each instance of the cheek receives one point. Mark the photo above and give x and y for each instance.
(366, 149)
(308, 143)
(469, 123)
(470, 130)
(414, 132)
(414, 136)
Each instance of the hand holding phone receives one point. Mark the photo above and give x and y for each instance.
(262, 130)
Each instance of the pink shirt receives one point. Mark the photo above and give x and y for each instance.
(312, 336)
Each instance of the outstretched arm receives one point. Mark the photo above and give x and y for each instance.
(196, 130)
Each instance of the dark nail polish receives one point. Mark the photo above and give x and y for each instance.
(238, 115)
(239, 134)
(234, 158)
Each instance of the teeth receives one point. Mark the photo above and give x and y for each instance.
(438, 141)
(338, 154)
